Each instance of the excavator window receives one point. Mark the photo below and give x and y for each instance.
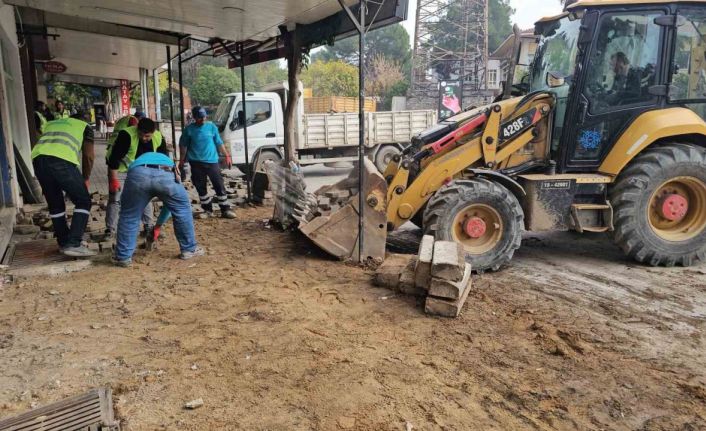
(623, 63)
(689, 68)
(621, 68)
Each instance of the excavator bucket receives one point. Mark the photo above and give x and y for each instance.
(329, 217)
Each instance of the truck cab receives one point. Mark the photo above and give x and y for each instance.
(265, 124)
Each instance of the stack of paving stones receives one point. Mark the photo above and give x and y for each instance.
(439, 273)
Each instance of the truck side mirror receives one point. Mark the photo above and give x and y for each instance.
(233, 125)
(241, 118)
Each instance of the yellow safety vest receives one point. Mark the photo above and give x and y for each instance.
(63, 114)
(62, 138)
(42, 121)
(134, 143)
(121, 124)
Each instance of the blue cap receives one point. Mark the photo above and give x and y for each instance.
(139, 115)
(198, 112)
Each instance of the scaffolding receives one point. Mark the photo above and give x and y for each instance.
(450, 46)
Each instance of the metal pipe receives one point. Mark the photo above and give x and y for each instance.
(248, 168)
(361, 123)
(157, 96)
(181, 92)
(171, 100)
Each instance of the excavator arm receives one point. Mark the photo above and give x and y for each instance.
(496, 142)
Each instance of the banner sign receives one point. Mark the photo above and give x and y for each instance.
(450, 99)
(125, 97)
(54, 67)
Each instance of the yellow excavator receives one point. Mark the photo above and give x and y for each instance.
(609, 136)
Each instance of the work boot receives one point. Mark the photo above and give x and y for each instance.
(80, 251)
(121, 263)
(186, 255)
(205, 215)
(230, 214)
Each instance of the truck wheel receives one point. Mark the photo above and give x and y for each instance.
(482, 215)
(659, 204)
(384, 156)
(265, 157)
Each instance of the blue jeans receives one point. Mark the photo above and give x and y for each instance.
(141, 185)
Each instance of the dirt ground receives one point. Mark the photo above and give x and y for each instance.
(275, 336)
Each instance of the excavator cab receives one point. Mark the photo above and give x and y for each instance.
(610, 137)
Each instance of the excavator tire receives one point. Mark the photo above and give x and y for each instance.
(659, 204)
(489, 211)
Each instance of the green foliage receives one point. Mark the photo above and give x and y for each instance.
(212, 82)
(500, 23)
(331, 78)
(259, 75)
(70, 94)
(391, 41)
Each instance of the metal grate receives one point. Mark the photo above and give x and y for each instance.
(92, 411)
(34, 253)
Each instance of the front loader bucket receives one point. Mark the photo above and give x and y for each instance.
(332, 222)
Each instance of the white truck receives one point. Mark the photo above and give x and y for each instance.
(322, 138)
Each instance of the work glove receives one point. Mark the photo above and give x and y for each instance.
(114, 185)
(155, 233)
(229, 161)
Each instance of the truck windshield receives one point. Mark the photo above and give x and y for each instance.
(556, 52)
(221, 117)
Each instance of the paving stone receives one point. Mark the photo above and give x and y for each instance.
(26, 229)
(446, 289)
(447, 307)
(422, 273)
(407, 280)
(449, 261)
(388, 274)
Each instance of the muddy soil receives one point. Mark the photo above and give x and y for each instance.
(273, 335)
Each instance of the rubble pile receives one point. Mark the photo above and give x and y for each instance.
(439, 273)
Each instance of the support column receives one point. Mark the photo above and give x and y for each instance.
(294, 67)
(171, 101)
(248, 168)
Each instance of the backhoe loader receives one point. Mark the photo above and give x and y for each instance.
(610, 137)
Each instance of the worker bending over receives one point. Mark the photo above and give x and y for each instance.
(130, 143)
(65, 144)
(200, 144)
(153, 175)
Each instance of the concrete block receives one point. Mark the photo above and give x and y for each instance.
(422, 273)
(449, 261)
(388, 274)
(447, 307)
(407, 280)
(26, 229)
(446, 289)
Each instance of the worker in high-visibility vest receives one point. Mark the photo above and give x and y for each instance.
(122, 124)
(130, 144)
(41, 117)
(60, 111)
(66, 144)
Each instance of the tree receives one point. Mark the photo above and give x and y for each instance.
(331, 78)
(382, 77)
(212, 82)
(259, 75)
(500, 22)
(391, 41)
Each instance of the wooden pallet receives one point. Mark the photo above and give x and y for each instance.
(92, 411)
